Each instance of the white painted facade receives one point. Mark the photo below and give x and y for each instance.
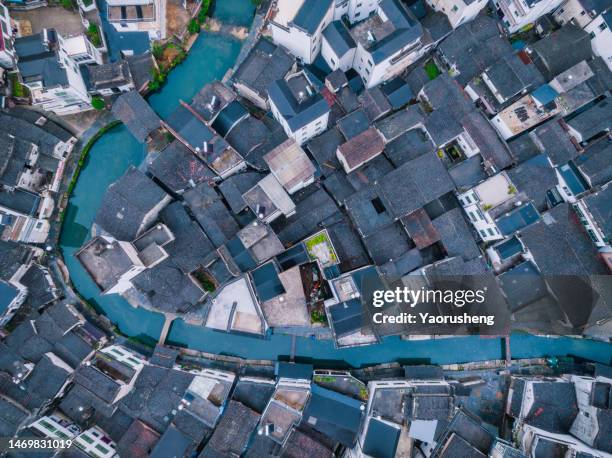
(517, 14)
(595, 232)
(344, 62)
(477, 202)
(153, 20)
(7, 51)
(601, 37)
(458, 12)
(572, 11)
(96, 443)
(301, 43)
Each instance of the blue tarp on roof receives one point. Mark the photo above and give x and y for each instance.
(267, 283)
(509, 248)
(334, 414)
(294, 256)
(572, 178)
(518, 219)
(381, 439)
(241, 256)
(7, 294)
(544, 94)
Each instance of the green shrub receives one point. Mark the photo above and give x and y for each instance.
(193, 27)
(204, 10)
(98, 102)
(93, 33)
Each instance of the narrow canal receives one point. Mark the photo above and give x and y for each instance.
(108, 159)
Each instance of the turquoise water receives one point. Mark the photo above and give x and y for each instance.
(108, 159)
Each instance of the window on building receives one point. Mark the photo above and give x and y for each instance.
(582, 13)
(603, 26)
(483, 233)
(490, 231)
(455, 8)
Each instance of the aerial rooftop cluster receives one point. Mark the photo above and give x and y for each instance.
(285, 186)
(63, 378)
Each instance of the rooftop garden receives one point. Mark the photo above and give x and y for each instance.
(94, 35)
(431, 69)
(19, 90)
(319, 247)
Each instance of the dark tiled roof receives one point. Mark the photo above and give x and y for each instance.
(596, 162)
(107, 76)
(297, 114)
(136, 114)
(415, 184)
(333, 414)
(264, 64)
(211, 213)
(310, 212)
(473, 47)
(534, 177)
(141, 66)
(233, 432)
(126, 204)
(178, 168)
(560, 246)
(561, 50)
(323, 149)
(594, 120)
(338, 38)
(12, 257)
(600, 206)
(456, 235)
(311, 14)
(138, 440)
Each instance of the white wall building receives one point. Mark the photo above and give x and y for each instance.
(297, 25)
(601, 36)
(53, 78)
(7, 51)
(138, 16)
(516, 14)
(298, 107)
(379, 46)
(458, 11)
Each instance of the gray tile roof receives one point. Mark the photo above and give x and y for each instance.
(593, 121)
(552, 139)
(126, 204)
(178, 168)
(310, 212)
(107, 76)
(394, 125)
(338, 37)
(136, 114)
(534, 177)
(415, 184)
(311, 14)
(600, 206)
(264, 64)
(141, 67)
(323, 149)
(212, 214)
(596, 162)
(561, 50)
(232, 434)
(560, 246)
(297, 114)
(12, 257)
(473, 47)
(513, 73)
(455, 235)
